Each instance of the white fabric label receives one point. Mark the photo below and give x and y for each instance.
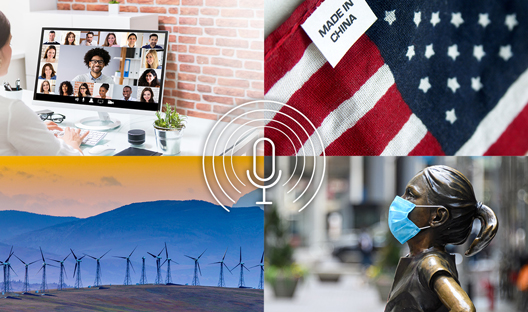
(336, 25)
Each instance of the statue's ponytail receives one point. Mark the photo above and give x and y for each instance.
(488, 229)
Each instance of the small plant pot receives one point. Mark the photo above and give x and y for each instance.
(284, 287)
(113, 8)
(168, 140)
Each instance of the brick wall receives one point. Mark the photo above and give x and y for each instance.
(215, 60)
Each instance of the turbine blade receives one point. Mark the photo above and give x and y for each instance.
(13, 270)
(240, 254)
(132, 267)
(64, 269)
(228, 268)
(245, 267)
(224, 254)
(151, 254)
(235, 267)
(215, 262)
(199, 268)
(40, 269)
(262, 258)
(52, 265)
(163, 263)
(91, 256)
(166, 250)
(75, 269)
(66, 257)
(54, 260)
(161, 251)
(81, 258)
(254, 266)
(202, 253)
(120, 257)
(191, 257)
(105, 254)
(73, 254)
(174, 261)
(10, 255)
(20, 259)
(42, 254)
(132, 252)
(33, 262)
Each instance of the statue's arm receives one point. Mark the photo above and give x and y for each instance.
(452, 295)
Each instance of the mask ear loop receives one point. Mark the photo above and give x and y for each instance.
(428, 206)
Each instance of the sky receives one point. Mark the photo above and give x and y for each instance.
(87, 186)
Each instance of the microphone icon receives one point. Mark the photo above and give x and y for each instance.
(263, 187)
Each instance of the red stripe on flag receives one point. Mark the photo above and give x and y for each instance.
(371, 134)
(328, 88)
(428, 146)
(514, 140)
(285, 46)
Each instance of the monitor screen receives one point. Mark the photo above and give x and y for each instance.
(102, 68)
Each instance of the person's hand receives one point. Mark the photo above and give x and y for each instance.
(73, 138)
(52, 126)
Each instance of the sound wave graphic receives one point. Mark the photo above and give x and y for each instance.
(240, 131)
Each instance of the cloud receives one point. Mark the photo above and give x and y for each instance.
(110, 181)
(24, 174)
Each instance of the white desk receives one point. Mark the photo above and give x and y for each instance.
(192, 144)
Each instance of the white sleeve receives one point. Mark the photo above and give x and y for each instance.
(30, 136)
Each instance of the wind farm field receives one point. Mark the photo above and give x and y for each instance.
(140, 298)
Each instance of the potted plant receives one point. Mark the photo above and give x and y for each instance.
(281, 272)
(382, 273)
(168, 130)
(113, 7)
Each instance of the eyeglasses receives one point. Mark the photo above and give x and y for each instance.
(100, 62)
(58, 118)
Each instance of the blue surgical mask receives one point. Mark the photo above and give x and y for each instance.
(400, 225)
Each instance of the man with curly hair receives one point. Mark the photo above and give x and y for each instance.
(95, 59)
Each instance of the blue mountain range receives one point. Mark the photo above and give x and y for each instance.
(187, 227)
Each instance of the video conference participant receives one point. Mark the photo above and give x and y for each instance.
(110, 40)
(95, 59)
(147, 96)
(131, 40)
(48, 72)
(151, 60)
(84, 90)
(45, 87)
(70, 39)
(51, 38)
(127, 94)
(153, 42)
(103, 90)
(49, 55)
(65, 88)
(89, 40)
(21, 130)
(149, 78)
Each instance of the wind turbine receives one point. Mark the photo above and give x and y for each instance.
(77, 270)
(158, 267)
(168, 260)
(128, 281)
(241, 283)
(221, 282)
(43, 286)
(98, 269)
(261, 265)
(26, 279)
(143, 279)
(196, 281)
(7, 272)
(62, 272)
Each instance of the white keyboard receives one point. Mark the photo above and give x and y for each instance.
(91, 139)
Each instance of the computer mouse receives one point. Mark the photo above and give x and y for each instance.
(99, 149)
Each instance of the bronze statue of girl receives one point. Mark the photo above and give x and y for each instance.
(438, 208)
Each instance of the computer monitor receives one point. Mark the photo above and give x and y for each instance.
(103, 70)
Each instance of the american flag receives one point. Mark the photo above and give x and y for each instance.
(428, 78)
